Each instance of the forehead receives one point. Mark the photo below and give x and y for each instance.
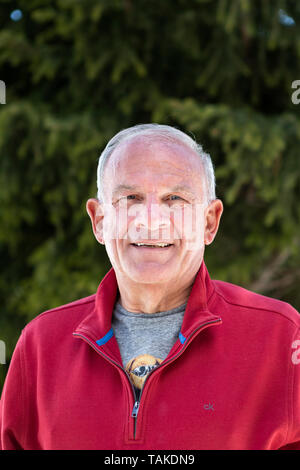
(154, 162)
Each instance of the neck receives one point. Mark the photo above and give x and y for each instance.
(153, 298)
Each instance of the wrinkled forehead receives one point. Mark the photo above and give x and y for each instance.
(148, 157)
(154, 151)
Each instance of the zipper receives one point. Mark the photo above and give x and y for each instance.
(136, 406)
(135, 409)
(136, 402)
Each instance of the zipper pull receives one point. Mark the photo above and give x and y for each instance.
(135, 409)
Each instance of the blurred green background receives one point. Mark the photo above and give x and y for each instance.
(78, 71)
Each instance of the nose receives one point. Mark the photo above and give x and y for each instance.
(152, 216)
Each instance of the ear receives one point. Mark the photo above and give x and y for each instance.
(96, 213)
(212, 219)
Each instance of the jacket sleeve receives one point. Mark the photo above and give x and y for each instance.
(12, 405)
(293, 437)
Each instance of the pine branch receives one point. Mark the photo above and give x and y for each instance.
(266, 281)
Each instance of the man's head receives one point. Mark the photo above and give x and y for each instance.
(156, 187)
(155, 132)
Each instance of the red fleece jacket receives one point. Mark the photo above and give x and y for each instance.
(231, 381)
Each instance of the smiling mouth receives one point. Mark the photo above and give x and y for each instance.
(148, 245)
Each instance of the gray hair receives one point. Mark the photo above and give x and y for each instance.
(160, 131)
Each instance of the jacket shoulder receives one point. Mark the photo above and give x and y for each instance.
(243, 298)
(63, 316)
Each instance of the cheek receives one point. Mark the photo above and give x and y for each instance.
(115, 224)
(189, 223)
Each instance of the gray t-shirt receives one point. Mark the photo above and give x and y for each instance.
(145, 339)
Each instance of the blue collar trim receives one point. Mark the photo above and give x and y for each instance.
(105, 338)
(182, 338)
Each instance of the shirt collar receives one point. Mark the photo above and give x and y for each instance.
(97, 325)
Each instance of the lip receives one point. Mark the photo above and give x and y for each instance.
(153, 242)
(152, 248)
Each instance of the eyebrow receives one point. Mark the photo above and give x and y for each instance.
(177, 188)
(124, 187)
(182, 188)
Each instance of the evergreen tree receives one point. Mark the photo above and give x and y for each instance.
(78, 71)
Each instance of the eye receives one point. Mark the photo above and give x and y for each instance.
(129, 197)
(173, 197)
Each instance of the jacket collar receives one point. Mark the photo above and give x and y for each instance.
(97, 325)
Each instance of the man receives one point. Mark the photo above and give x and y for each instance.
(161, 357)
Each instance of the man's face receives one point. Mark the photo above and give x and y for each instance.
(154, 195)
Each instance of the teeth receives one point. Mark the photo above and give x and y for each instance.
(157, 244)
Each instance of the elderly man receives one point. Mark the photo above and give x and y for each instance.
(161, 357)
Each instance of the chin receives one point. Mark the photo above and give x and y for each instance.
(150, 274)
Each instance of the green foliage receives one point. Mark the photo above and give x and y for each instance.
(78, 71)
(258, 177)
